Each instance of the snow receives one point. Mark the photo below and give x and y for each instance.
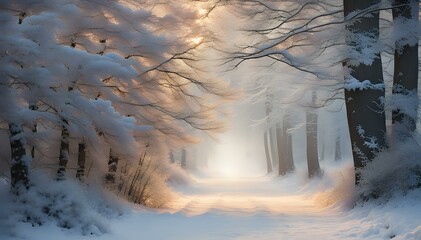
(251, 208)
(372, 143)
(126, 97)
(360, 131)
(353, 84)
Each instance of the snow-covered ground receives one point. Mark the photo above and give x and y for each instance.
(262, 208)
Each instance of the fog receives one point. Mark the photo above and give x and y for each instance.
(239, 152)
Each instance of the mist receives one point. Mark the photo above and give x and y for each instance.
(210, 120)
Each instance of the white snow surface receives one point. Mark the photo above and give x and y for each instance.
(353, 84)
(254, 208)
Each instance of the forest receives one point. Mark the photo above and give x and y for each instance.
(210, 119)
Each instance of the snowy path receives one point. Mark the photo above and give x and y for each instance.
(254, 209)
(240, 197)
(250, 209)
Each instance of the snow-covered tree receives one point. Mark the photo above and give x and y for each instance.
(284, 140)
(313, 165)
(364, 85)
(405, 75)
(106, 74)
(336, 47)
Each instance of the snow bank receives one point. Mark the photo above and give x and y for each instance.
(396, 171)
(66, 204)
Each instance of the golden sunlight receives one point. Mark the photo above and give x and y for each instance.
(202, 11)
(196, 40)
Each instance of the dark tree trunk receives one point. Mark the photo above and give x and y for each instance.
(33, 107)
(64, 144)
(405, 77)
(64, 152)
(19, 166)
(183, 159)
(80, 172)
(112, 167)
(312, 151)
(268, 162)
(338, 148)
(65, 141)
(365, 110)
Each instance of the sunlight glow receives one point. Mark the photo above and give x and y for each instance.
(228, 170)
(232, 158)
(243, 196)
(202, 11)
(111, 18)
(196, 40)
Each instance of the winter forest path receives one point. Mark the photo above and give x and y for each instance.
(243, 196)
(245, 209)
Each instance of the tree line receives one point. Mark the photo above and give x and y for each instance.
(121, 77)
(340, 51)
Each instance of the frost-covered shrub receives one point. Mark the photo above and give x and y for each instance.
(64, 203)
(143, 182)
(397, 170)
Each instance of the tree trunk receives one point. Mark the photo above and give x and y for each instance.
(33, 106)
(273, 146)
(80, 172)
(365, 110)
(112, 168)
(322, 141)
(64, 152)
(172, 157)
(338, 148)
(312, 151)
(272, 137)
(268, 162)
(286, 148)
(267, 154)
(19, 167)
(172, 160)
(405, 77)
(64, 144)
(281, 144)
(183, 158)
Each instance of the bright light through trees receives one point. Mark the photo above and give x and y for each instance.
(245, 118)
